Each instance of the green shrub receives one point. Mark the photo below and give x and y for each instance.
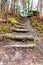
(36, 25)
(32, 13)
(4, 29)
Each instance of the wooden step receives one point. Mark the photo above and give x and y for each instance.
(20, 46)
(18, 36)
(20, 30)
(19, 26)
(15, 42)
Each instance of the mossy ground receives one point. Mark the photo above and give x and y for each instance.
(37, 23)
(8, 21)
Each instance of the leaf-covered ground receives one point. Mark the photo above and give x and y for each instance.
(37, 22)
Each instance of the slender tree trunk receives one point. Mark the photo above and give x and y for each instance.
(31, 4)
(41, 6)
(13, 5)
(2, 6)
(38, 6)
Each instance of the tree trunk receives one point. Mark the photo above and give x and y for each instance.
(2, 6)
(41, 6)
(31, 4)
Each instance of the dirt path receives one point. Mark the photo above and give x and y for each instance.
(22, 56)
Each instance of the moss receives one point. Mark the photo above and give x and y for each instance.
(34, 22)
(4, 29)
(41, 26)
(12, 20)
(36, 25)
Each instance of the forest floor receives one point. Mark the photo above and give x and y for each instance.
(23, 56)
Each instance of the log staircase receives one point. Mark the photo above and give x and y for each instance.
(22, 36)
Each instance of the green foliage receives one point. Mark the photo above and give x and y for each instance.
(12, 20)
(36, 25)
(33, 13)
(34, 22)
(4, 29)
(40, 27)
(0, 19)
